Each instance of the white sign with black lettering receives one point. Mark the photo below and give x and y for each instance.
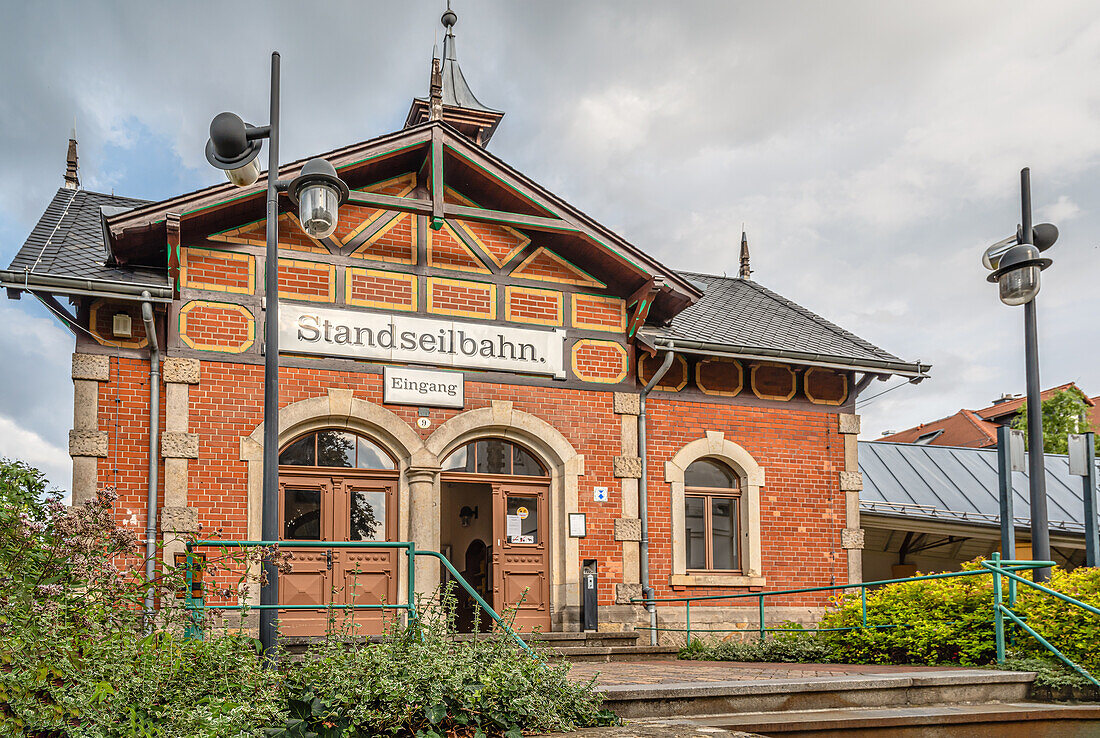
(422, 387)
(416, 340)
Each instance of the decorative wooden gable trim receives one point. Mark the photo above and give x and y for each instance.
(546, 266)
(447, 250)
(291, 235)
(354, 219)
(498, 242)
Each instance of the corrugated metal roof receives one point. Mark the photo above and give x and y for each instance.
(950, 483)
(68, 241)
(747, 317)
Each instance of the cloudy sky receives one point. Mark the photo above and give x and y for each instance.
(872, 150)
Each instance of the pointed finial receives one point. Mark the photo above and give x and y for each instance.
(435, 91)
(72, 177)
(745, 271)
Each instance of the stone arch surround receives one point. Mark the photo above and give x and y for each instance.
(502, 420)
(714, 445)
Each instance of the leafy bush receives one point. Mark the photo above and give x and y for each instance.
(1072, 630)
(935, 621)
(797, 647)
(79, 659)
(432, 684)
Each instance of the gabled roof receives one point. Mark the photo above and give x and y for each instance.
(1011, 407)
(742, 317)
(964, 428)
(67, 243)
(959, 485)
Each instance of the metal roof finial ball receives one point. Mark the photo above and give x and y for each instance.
(449, 18)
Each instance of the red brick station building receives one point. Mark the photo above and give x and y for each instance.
(468, 359)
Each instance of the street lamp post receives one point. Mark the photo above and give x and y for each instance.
(234, 147)
(1016, 270)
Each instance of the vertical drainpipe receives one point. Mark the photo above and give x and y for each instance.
(154, 433)
(643, 493)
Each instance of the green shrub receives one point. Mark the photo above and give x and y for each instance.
(936, 621)
(1072, 630)
(798, 647)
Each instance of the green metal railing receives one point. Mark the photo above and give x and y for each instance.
(997, 568)
(198, 605)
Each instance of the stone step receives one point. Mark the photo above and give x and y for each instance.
(984, 720)
(816, 693)
(573, 643)
(613, 653)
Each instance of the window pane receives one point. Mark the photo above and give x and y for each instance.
(723, 516)
(523, 520)
(299, 453)
(368, 515)
(525, 463)
(302, 515)
(696, 541)
(459, 460)
(372, 457)
(335, 448)
(707, 473)
(494, 456)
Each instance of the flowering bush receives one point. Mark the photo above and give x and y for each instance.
(79, 658)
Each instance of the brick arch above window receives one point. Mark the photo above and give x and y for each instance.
(715, 446)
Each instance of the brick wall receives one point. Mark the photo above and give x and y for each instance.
(307, 280)
(802, 510)
(461, 298)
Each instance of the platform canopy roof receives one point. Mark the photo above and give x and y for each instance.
(955, 484)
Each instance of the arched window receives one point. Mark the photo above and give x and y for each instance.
(712, 516)
(494, 456)
(335, 448)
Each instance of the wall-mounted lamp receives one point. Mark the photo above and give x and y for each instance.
(466, 514)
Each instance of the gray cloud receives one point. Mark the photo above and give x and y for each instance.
(872, 148)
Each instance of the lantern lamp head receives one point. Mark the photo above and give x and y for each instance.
(318, 192)
(1017, 274)
(231, 149)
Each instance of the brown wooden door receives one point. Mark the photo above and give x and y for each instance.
(305, 514)
(335, 508)
(367, 576)
(521, 564)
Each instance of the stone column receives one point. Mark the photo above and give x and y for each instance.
(851, 484)
(178, 519)
(424, 524)
(87, 443)
(628, 528)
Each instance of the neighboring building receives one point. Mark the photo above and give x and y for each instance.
(978, 428)
(929, 508)
(547, 325)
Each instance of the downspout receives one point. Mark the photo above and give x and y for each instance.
(643, 494)
(154, 433)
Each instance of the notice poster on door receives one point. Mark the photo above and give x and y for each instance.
(514, 528)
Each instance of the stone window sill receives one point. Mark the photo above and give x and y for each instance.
(716, 580)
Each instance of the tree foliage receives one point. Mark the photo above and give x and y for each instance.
(1065, 412)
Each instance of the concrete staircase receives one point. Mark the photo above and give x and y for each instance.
(970, 703)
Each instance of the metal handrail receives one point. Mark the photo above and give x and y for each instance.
(198, 605)
(997, 568)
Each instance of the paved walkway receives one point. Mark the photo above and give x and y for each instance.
(617, 673)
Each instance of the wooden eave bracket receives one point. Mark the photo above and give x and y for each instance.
(639, 303)
(172, 229)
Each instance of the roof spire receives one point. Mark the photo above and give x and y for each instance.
(72, 178)
(745, 270)
(457, 104)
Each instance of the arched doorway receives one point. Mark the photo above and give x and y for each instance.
(495, 528)
(335, 485)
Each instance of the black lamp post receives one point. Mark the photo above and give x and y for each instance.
(234, 146)
(1015, 263)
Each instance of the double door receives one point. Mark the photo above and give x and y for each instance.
(520, 554)
(329, 507)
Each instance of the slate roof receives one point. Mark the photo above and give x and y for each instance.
(960, 484)
(743, 317)
(68, 241)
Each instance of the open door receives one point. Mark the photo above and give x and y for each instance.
(521, 563)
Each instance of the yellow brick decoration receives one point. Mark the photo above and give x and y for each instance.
(601, 362)
(719, 376)
(532, 305)
(462, 297)
(307, 280)
(447, 250)
(217, 326)
(218, 271)
(598, 313)
(394, 243)
(380, 289)
(546, 266)
(825, 386)
(771, 381)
